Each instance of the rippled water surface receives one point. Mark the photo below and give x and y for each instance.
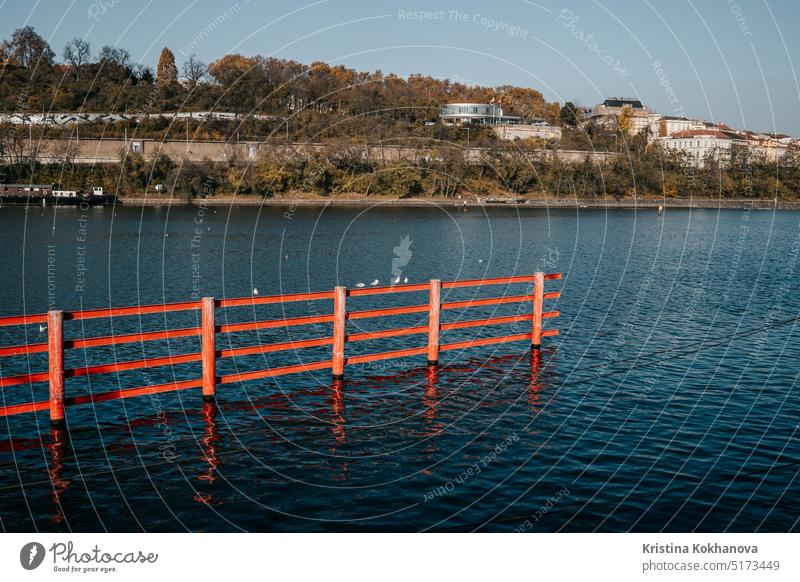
(668, 402)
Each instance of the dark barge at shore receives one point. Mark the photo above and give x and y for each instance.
(47, 195)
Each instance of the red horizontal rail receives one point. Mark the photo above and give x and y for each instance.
(131, 392)
(269, 348)
(489, 321)
(386, 355)
(24, 379)
(23, 319)
(136, 310)
(268, 299)
(387, 289)
(132, 365)
(486, 341)
(481, 282)
(13, 409)
(397, 332)
(386, 312)
(489, 301)
(280, 371)
(272, 323)
(23, 350)
(146, 336)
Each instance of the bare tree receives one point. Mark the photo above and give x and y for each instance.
(194, 71)
(76, 53)
(114, 55)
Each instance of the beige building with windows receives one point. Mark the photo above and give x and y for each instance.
(717, 143)
(623, 112)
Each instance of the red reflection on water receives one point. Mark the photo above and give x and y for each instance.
(210, 443)
(338, 424)
(337, 406)
(542, 362)
(59, 441)
(535, 385)
(431, 400)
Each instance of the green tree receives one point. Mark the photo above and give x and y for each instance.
(569, 114)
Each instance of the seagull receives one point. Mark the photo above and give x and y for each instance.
(42, 328)
(480, 260)
(359, 284)
(375, 282)
(255, 291)
(396, 280)
(405, 280)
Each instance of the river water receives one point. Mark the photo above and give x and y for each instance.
(667, 403)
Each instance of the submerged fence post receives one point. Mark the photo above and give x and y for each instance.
(339, 322)
(208, 349)
(538, 301)
(55, 363)
(434, 314)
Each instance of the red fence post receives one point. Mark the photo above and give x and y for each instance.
(208, 349)
(339, 322)
(434, 315)
(55, 363)
(538, 301)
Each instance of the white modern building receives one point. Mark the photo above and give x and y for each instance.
(475, 113)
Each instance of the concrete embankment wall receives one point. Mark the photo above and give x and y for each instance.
(94, 151)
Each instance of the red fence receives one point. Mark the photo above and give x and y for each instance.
(208, 331)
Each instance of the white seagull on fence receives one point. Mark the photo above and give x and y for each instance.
(255, 291)
(375, 282)
(405, 280)
(359, 284)
(396, 280)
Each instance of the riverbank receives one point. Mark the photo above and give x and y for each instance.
(317, 201)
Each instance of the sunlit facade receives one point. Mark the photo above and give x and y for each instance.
(475, 113)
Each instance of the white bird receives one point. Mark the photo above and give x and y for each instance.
(480, 260)
(286, 257)
(375, 282)
(405, 280)
(255, 291)
(396, 280)
(42, 328)
(359, 284)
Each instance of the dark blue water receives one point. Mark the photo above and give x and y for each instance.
(669, 401)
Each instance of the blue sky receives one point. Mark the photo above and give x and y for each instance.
(720, 60)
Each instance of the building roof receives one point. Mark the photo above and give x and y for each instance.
(622, 102)
(717, 133)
